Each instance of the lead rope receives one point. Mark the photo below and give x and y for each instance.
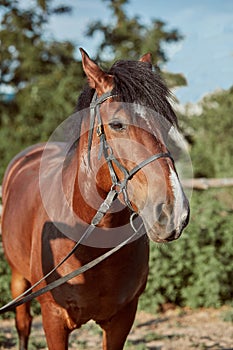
(104, 207)
(14, 303)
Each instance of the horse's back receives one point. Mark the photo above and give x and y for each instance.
(28, 158)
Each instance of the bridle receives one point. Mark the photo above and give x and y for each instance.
(106, 150)
(116, 188)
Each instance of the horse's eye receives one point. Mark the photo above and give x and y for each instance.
(116, 125)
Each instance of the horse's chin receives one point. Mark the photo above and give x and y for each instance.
(161, 238)
(159, 234)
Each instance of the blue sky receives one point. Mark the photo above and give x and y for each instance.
(205, 56)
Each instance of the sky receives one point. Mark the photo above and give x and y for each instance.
(204, 56)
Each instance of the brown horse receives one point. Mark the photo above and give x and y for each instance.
(47, 184)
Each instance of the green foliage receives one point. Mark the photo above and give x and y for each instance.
(196, 270)
(210, 135)
(227, 316)
(42, 74)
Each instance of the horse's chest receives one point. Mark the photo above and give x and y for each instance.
(102, 295)
(104, 289)
(101, 291)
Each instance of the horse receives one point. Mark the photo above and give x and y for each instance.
(119, 130)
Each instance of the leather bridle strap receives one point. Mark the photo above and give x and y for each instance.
(95, 112)
(147, 161)
(122, 185)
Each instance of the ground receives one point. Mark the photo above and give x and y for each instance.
(174, 329)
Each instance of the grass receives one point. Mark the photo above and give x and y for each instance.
(227, 316)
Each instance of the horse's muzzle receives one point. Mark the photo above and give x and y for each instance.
(167, 226)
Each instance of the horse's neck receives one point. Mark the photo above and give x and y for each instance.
(85, 196)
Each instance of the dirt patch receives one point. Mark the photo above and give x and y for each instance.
(178, 329)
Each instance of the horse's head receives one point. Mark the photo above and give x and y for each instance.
(126, 113)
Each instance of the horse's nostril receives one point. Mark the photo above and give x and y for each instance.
(159, 209)
(162, 214)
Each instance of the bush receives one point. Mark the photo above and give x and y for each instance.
(196, 270)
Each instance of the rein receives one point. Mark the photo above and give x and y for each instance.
(117, 188)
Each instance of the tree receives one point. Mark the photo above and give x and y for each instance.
(42, 75)
(25, 54)
(210, 135)
(127, 37)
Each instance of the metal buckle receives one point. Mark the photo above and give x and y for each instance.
(99, 130)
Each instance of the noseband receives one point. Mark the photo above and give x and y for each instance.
(106, 150)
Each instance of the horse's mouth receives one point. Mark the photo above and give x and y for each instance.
(163, 238)
(159, 234)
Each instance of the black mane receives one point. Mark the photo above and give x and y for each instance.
(135, 82)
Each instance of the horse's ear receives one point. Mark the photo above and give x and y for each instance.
(97, 78)
(146, 58)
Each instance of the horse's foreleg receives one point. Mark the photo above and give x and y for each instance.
(23, 319)
(55, 326)
(118, 327)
